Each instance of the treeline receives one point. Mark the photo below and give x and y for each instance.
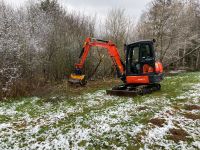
(40, 42)
(175, 24)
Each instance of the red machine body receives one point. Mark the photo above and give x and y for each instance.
(140, 67)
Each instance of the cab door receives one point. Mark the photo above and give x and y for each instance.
(138, 56)
(147, 58)
(133, 59)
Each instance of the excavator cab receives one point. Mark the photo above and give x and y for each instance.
(140, 58)
(141, 65)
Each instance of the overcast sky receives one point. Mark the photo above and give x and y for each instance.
(133, 8)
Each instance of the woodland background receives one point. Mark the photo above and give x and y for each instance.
(40, 42)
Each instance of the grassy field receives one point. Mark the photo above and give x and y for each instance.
(168, 119)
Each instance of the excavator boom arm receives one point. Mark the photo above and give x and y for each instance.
(112, 51)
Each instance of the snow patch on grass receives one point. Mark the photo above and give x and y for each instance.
(193, 94)
(8, 111)
(96, 120)
(4, 126)
(157, 136)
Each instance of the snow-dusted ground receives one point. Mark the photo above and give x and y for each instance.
(99, 121)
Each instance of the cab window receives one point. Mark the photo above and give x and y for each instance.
(133, 59)
(146, 51)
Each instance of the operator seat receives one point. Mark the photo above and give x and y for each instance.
(146, 54)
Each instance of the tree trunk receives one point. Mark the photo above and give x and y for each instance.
(197, 62)
(184, 51)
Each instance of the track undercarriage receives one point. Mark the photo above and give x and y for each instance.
(133, 90)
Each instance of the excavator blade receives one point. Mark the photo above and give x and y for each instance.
(77, 79)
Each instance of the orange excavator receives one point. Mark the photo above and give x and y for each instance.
(141, 73)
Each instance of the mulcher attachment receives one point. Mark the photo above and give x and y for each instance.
(133, 90)
(77, 79)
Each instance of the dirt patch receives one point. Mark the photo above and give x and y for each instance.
(192, 107)
(157, 121)
(20, 125)
(65, 89)
(142, 108)
(138, 138)
(178, 135)
(192, 116)
(177, 107)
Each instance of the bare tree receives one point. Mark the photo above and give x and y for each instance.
(39, 43)
(117, 26)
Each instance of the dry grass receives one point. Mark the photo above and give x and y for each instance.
(67, 89)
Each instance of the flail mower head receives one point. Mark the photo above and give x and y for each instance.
(77, 78)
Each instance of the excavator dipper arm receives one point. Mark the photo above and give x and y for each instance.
(112, 50)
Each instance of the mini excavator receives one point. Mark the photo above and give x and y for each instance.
(141, 73)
